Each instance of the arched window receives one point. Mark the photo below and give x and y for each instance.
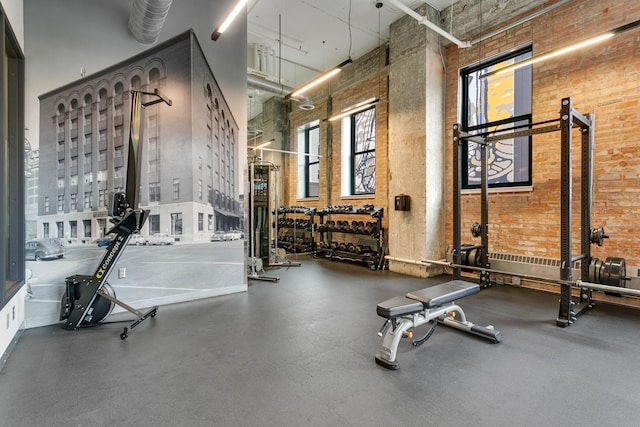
(102, 95)
(87, 100)
(154, 76)
(136, 83)
(118, 88)
(60, 108)
(74, 104)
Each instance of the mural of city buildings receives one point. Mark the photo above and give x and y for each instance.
(189, 175)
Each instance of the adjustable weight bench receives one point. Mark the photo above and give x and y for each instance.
(436, 304)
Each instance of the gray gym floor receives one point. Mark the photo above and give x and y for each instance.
(300, 352)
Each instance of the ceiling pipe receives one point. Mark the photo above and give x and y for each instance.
(425, 21)
(146, 19)
(255, 82)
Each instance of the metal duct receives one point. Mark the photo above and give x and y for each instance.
(280, 90)
(147, 18)
(267, 85)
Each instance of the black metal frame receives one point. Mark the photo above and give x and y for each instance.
(82, 304)
(569, 119)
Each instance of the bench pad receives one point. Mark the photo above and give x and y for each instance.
(398, 306)
(443, 293)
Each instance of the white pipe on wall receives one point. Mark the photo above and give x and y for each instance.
(425, 21)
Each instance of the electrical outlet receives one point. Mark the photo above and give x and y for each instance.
(122, 273)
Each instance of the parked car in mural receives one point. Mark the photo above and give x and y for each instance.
(38, 249)
(219, 236)
(235, 235)
(138, 240)
(160, 239)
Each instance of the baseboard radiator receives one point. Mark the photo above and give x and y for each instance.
(526, 265)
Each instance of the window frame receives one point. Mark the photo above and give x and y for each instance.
(482, 127)
(12, 163)
(306, 161)
(352, 152)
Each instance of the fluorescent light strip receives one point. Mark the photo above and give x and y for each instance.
(323, 77)
(549, 55)
(292, 152)
(264, 144)
(222, 28)
(564, 50)
(361, 106)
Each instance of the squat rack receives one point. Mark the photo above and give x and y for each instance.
(569, 119)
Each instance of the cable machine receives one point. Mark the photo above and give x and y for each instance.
(87, 300)
(262, 186)
(608, 276)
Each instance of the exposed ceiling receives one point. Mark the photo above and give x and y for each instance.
(302, 38)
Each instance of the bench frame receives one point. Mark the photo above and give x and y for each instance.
(446, 311)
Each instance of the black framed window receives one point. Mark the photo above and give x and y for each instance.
(359, 153)
(489, 104)
(309, 163)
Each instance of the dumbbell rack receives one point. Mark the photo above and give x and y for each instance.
(368, 249)
(297, 235)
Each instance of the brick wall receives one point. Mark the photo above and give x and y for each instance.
(603, 80)
(365, 78)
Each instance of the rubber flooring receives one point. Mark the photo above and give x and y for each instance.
(300, 352)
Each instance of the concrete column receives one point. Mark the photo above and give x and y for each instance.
(416, 145)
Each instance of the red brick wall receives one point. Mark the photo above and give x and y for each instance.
(364, 79)
(603, 80)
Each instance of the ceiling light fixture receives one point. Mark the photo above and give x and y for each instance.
(321, 78)
(562, 51)
(275, 150)
(360, 106)
(229, 19)
(264, 144)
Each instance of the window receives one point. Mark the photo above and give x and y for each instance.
(87, 227)
(60, 203)
(87, 200)
(200, 221)
(73, 206)
(60, 226)
(309, 165)
(199, 189)
(73, 226)
(45, 229)
(176, 188)
(154, 192)
(102, 198)
(176, 224)
(46, 204)
(493, 103)
(210, 222)
(154, 224)
(359, 153)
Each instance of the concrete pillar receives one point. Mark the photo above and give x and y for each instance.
(416, 145)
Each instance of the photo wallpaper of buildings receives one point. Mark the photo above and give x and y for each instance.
(84, 60)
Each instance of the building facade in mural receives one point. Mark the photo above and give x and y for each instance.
(190, 149)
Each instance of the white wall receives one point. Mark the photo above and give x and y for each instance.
(14, 11)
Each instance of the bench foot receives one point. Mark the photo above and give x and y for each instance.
(387, 364)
